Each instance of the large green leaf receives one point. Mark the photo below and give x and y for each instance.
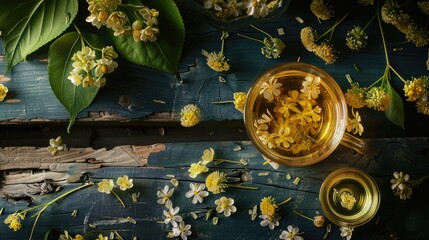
(395, 112)
(74, 98)
(27, 25)
(164, 54)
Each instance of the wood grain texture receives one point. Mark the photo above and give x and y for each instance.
(151, 92)
(105, 212)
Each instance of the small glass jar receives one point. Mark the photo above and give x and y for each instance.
(328, 133)
(349, 197)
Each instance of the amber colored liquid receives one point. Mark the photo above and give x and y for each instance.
(352, 187)
(292, 80)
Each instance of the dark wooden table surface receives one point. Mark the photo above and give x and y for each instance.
(145, 141)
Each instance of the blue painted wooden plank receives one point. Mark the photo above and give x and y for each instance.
(200, 84)
(384, 157)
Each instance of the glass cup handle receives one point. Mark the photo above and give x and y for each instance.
(354, 143)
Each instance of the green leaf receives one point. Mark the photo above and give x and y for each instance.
(74, 98)
(395, 112)
(27, 25)
(164, 54)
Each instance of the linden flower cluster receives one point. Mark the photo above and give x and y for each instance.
(356, 38)
(417, 90)
(217, 60)
(269, 215)
(89, 71)
(272, 47)
(292, 233)
(108, 13)
(392, 13)
(190, 115)
(296, 116)
(171, 217)
(56, 145)
(230, 9)
(14, 220)
(375, 97)
(325, 50)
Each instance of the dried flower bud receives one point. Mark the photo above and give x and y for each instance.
(326, 52)
(308, 38)
(319, 221)
(321, 10)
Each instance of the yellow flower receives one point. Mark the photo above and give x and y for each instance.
(319, 220)
(321, 10)
(423, 107)
(347, 200)
(66, 236)
(208, 156)
(124, 183)
(215, 182)
(190, 115)
(353, 124)
(216, 61)
(225, 205)
(355, 97)
(105, 186)
(308, 38)
(378, 99)
(416, 88)
(311, 87)
(239, 100)
(3, 92)
(101, 237)
(56, 145)
(196, 169)
(326, 52)
(14, 221)
(268, 206)
(270, 89)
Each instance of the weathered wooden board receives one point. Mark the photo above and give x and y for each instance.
(407, 219)
(34, 101)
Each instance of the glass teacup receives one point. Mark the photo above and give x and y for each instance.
(349, 197)
(289, 125)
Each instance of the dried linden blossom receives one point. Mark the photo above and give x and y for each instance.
(355, 96)
(377, 98)
(190, 115)
(296, 116)
(400, 185)
(14, 220)
(269, 215)
(356, 38)
(3, 92)
(354, 124)
(171, 216)
(56, 145)
(292, 233)
(66, 236)
(231, 9)
(197, 192)
(321, 10)
(215, 182)
(216, 61)
(239, 100)
(346, 232)
(226, 206)
(182, 230)
(416, 88)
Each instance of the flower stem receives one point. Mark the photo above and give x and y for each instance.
(222, 102)
(372, 19)
(397, 74)
(262, 31)
(332, 28)
(382, 38)
(250, 38)
(302, 215)
(117, 196)
(242, 187)
(35, 221)
(285, 201)
(220, 160)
